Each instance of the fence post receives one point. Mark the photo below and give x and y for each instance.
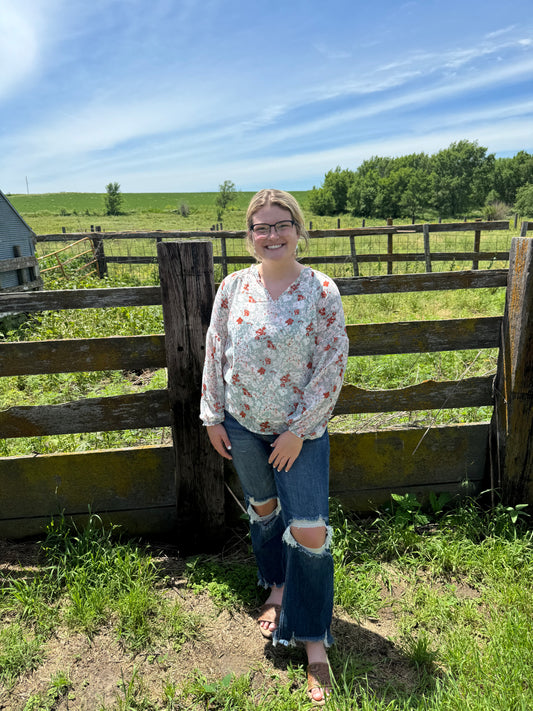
(512, 422)
(390, 247)
(427, 247)
(99, 254)
(354, 256)
(477, 246)
(187, 293)
(224, 254)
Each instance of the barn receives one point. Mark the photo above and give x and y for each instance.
(19, 269)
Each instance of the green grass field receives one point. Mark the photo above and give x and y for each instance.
(161, 211)
(48, 213)
(433, 607)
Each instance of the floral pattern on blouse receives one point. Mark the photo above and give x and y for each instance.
(275, 364)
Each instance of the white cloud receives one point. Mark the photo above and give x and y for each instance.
(19, 46)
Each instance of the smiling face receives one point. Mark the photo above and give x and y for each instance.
(276, 247)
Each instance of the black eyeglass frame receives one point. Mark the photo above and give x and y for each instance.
(267, 224)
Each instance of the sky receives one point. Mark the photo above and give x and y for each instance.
(181, 95)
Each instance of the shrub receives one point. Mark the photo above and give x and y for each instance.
(524, 200)
(496, 210)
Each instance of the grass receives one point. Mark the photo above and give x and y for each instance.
(454, 583)
(452, 586)
(373, 372)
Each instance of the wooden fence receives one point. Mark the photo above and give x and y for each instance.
(27, 269)
(179, 489)
(354, 258)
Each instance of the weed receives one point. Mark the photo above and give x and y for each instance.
(20, 651)
(229, 586)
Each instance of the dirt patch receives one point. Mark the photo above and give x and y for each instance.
(227, 643)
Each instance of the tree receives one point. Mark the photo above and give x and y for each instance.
(511, 174)
(417, 194)
(524, 200)
(461, 177)
(363, 193)
(226, 194)
(113, 199)
(321, 201)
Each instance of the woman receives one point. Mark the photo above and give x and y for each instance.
(275, 357)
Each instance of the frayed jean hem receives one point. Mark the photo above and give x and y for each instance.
(262, 583)
(326, 638)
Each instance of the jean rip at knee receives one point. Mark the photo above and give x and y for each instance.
(290, 540)
(263, 520)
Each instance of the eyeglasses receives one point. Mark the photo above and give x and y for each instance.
(281, 228)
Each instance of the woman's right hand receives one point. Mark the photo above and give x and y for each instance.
(219, 439)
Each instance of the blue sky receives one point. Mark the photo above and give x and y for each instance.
(180, 95)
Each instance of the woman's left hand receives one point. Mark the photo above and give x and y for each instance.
(285, 450)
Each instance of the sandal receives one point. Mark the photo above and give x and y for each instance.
(318, 677)
(268, 612)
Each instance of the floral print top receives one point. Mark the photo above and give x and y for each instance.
(275, 364)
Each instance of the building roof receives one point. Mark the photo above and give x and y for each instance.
(5, 199)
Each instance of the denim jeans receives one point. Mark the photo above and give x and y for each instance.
(302, 494)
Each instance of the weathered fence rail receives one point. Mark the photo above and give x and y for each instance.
(355, 258)
(179, 487)
(27, 269)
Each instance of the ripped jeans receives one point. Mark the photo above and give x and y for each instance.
(302, 495)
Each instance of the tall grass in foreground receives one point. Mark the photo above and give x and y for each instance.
(453, 585)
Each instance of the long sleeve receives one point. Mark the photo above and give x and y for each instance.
(275, 364)
(327, 366)
(213, 391)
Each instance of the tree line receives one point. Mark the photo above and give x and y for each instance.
(455, 181)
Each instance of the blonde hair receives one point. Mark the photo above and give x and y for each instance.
(281, 199)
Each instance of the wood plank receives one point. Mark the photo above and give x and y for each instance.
(22, 288)
(428, 395)
(240, 234)
(138, 495)
(80, 299)
(376, 258)
(156, 522)
(82, 355)
(367, 467)
(437, 281)
(423, 336)
(9, 265)
(102, 414)
(151, 295)
(131, 260)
